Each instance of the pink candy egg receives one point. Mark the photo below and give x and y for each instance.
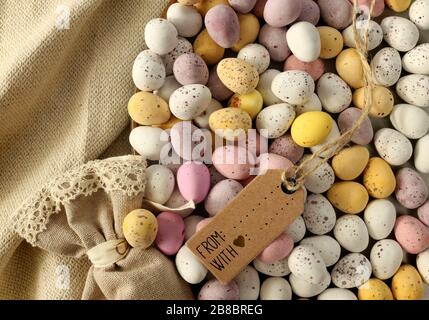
(217, 88)
(364, 6)
(315, 69)
(364, 134)
(255, 143)
(310, 12)
(411, 190)
(214, 290)
(423, 213)
(242, 6)
(190, 68)
(202, 224)
(411, 234)
(277, 250)
(274, 39)
(233, 162)
(285, 146)
(171, 233)
(221, 194)
(273, 161)
(280, 13)
(222, 25)
(193, 180)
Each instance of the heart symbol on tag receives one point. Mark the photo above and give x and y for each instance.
(239, 241)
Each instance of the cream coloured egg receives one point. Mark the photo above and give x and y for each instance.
(248, 283)
(159, 183)
(351, 233)
(148, 71)
(306, 263)
(422, 262)
(334, 94)
(321, 179)
(189, 266)
(319, 215)
(328, 248)
(275, 120)
(160, 36)
(410, 120)
(275, 288)
(337, 294)
(186, 19)
(419, 14)
(294, 87)
(414, 89)
(148, 141)
(400, 33)
(386, 66)
(257, 55)
(304, 41)
(305, 289)
(278, 268)
(380, 217)
(375, 34)
(296, 229)
(189, 101)
(421, 154)
(386, 258)
(352, 271)
(393, 146)
(417, 60)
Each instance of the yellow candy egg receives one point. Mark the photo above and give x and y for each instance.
(205, 5)
(147, 109)
(250, 102)
(249, 30)
(374, 289)
(311, 128)
(230, 123)
(331, 42)
(382, 101)
(140, 228)
(169, 124)
(348, 196)
(207, 49)
(349, 163)
(398, 5)
(349, 68)
(238, 75)
(378, 178)
(407, 284)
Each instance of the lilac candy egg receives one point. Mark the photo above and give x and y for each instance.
(336, 13)
(190, 68)
(364, 134)
(423, 213)
(233, 162)
(242, 6)
(274, 39)
(268, 161)
(171, 233)
(214, 290)
(411, 190)
(280, 248)
(285, 146)
(220, 195)
(280, 13)
(223, 25)
(217, 88)
(193, 180)
(411, 234)
(258, 9)
(310, 12)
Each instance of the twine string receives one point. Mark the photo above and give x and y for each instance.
(294, 178)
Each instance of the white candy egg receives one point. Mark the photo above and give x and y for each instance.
(380, 217)
(296, 229)
(386, 258)
(278, 268)
(375, 35)
(183, 46)
(293, 87)
(328, 248)
(276, 288)
(417, 60)
(414, 89)
(264, 87)
(148, 141)
(337, 294)
(422, 262)
(148, 71)
(306, 263)
(419, 14)
(320, 180)
(351, 233)
(319, 215)
(386, 67)
(275, 119)
(304, 41)
(410, 120)
(393, 146)
(313, 104)
(352, 271)
(257, 55)
(170, 85)
(400, 33)
(159, 184)
(160, 36)
(334, 94)
(421, 154)
(189, 267)
(248, 283)
(305, 289)
(186, 19)
(190, 101)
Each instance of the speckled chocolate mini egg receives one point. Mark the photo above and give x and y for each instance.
(352, 271)
(293, 87)
(382, 101)
(160, 183)
(414, 89)
(379, 179)
(419, 14)
(275, 120)
(190, 68)
(140, 228)
(278, 268)
(321, 179)
(248, 283)
(422, 262)
(374, 289)
(417, 60)
(286, 147)
(351, 233)
(183, 47)
(148, 71)
(348, 196)
(189, 101)
(219, 196)
(264, 87)
(279, 13)
(410, 120)
(386, 67)
(145, 108)
(337, 294)
(214, 290)
(189, 266)
(319, 215)
(305, 289)
(336, 13)
(411, 234)
(349, 163)
(380, 217)
(160, 36)
(186, 19)
(349, 68)
(386, 258)
(230, 123)
(275, 288)
(249, 30)
(421, 154)
(306, 263)
(257, 55)
(274, 39)
(407, 284)
(393, 146)
(411, 190)
(310, 12)
(328, 248)
(223, 25)
(400, 33)
(297, 229)
(375, 35)
(238, 75)
(334, 94)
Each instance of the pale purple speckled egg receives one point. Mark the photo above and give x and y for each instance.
(310, 12)
(274, 39)
(214, 290)
(423, 213)
(242, 6)
(285, 146)
(278, 249)
(336, 13)
(193, 180)
(364, 134)
(280, 13)
(222, 25)
(411, 234)
(171, 233)
(268, 161)
(217, 88)
(220, 195)
(411, 190)
(233, 162)
(190, 68)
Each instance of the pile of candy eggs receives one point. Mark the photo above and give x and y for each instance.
(290, 70)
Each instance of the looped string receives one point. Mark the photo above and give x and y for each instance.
(295, 177)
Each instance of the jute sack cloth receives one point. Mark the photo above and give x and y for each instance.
(64, 89)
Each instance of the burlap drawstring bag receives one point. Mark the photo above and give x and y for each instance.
(81, 212)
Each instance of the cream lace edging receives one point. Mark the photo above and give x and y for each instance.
(126, 174)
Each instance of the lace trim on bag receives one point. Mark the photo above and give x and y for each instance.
(126, 174)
